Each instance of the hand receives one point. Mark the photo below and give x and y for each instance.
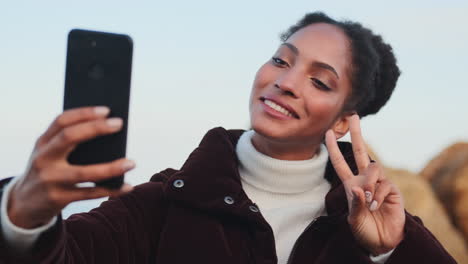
(376, 208)
(49, 183)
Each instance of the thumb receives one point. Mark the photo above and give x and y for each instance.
(358, 203)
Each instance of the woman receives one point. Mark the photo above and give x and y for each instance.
(274, 194)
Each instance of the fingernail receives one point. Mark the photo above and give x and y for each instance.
(373, 206)
(101, 110)
(368, 196)
(114, 122)
(128, 165)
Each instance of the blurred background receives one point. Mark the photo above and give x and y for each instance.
(193, 66)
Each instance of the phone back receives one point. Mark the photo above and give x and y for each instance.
(98, 72)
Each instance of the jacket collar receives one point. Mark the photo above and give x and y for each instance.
(211, 174)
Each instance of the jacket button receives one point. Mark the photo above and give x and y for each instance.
(254, 208)
(178, 183)
(228, 200)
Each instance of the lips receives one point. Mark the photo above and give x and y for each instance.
(279, 106)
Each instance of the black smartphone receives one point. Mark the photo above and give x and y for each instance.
(98, 72)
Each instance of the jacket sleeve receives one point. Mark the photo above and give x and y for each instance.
(419, 245)
(21, 239)
(120, 230)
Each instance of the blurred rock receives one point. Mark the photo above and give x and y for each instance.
(460, 200)
(446, 161)
(422, 201)
(448, 175)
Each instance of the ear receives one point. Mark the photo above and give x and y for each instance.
(341, 126)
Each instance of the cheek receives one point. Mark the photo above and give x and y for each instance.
(324, 109)
(265, 75)
(262, 79)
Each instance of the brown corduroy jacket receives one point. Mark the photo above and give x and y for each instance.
(183, 216)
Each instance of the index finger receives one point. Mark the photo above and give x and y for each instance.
(359, 147)
(336, 157)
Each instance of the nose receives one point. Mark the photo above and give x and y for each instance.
(288, 83)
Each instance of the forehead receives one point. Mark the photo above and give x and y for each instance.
(323, 42)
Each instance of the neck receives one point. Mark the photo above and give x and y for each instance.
(284, 150)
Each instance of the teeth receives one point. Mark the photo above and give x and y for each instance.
(277, 108)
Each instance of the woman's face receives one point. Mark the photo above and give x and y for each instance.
(299, 93)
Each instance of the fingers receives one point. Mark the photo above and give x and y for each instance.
(66, 140)
(98, 172)
(384, 188)
(372, 174)
(61, 184)
(371, 188)
(336, 157)
(71, 117)
(358, 203)
(359, 147)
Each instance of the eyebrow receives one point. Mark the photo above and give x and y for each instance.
(319, 64)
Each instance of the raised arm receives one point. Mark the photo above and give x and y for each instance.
(50, 182)
(377, 218)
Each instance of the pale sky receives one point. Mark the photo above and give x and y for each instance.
(194, 63)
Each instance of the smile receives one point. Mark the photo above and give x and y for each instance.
(278, 108)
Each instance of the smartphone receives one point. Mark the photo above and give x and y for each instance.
(98, 72)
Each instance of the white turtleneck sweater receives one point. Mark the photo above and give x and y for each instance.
(289, 194)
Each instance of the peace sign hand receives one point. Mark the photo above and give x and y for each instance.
(376, 209)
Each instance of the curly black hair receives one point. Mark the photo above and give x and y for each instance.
(374, 70)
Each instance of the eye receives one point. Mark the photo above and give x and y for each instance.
(319, 84)
(279, 62)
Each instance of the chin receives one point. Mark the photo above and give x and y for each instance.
(272, 130)
(284, 132)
